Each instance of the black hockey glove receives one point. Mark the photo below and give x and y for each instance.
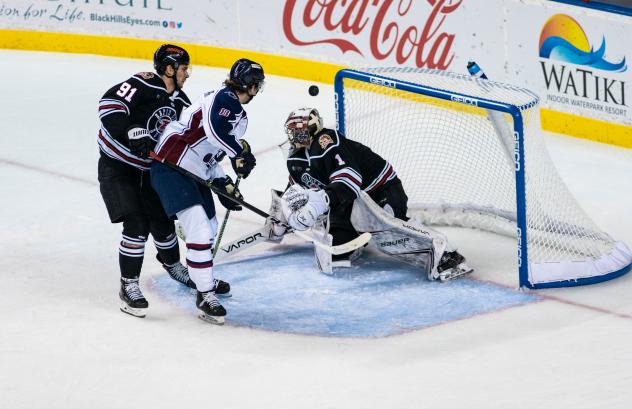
(245, 162)
(140, 141)
(226, 184)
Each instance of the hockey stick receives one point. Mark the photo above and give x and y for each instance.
(245, 242)
(236, 246)
(339, 249)
(221, 229)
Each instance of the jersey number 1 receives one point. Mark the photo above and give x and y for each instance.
(339, 160)
(126, 89)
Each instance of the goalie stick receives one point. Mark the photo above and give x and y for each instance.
(261, 236)
(356, 243)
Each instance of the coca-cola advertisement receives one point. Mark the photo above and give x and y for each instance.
(411, 33)
(403, 32)
(440, 34)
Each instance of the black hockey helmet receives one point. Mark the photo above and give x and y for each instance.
(302, 125)
(246, 73)
(169, 54)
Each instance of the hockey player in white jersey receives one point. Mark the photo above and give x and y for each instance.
(207, 131)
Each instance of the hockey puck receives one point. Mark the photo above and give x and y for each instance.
(313, 90)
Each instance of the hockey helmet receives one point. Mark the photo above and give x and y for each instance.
(245, 73)
(169, 54)
(302, 125)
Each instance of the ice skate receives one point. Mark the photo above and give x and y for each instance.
(178, 272)
(452, 265)
(222, 288)
(210, 310)
(133, 301)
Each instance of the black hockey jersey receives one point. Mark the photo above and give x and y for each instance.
(340, 166)
(141, 100)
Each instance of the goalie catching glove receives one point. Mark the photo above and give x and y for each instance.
(226, 184)
(245, 162)
(302, 207)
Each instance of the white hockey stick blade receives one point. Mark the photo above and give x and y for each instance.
(356, 243)
(236, 246)
(245, 242)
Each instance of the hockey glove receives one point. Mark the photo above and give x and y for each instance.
(140, 141)
(294, 198)
(226, 184)
(305, 217)
(245, 162)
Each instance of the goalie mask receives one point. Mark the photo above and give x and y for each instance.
(302, 125)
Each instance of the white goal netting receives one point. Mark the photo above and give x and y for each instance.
(456, 161)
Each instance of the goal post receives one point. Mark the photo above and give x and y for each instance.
(470, 153)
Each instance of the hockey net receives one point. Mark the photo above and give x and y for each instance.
(459, 164)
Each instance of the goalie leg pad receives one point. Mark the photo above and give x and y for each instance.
(408, 241)
(320, 233)
(277, 231)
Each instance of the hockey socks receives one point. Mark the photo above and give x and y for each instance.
(131, 254)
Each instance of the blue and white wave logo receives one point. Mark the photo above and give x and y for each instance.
(563, 39)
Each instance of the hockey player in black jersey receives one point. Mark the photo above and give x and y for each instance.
(133, 114)
(321, 159)
(329, 173)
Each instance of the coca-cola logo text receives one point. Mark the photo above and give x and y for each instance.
(349, 22)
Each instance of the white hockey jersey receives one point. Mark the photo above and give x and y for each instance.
(207, 130)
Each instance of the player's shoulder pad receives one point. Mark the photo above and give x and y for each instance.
(228, 97)
(183, 97)
(297, 154)
(326, 140)
(226, 103)
(148, 80)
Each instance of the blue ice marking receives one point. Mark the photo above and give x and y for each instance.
(379, 296)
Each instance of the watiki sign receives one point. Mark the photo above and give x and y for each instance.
(579, 71)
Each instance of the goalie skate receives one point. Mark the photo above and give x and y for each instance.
(452, 266)
(456, 272)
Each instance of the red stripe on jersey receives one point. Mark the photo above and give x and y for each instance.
(383, 180)
(122, 154)
(348, 176)
(112, 106)
(176, 143)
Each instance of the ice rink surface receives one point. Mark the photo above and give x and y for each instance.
(64, 343)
